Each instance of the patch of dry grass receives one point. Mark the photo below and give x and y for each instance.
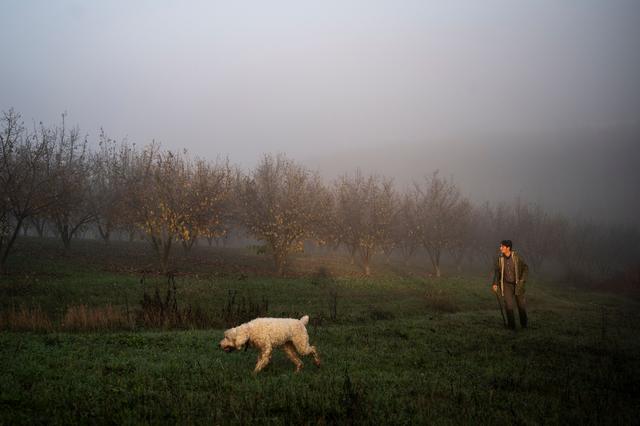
(25, 318)
(85, 318)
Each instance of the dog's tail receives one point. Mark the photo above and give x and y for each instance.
(305, 319)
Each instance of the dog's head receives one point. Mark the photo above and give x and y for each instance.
(234, 339)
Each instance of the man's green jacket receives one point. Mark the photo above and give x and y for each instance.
(522, 272)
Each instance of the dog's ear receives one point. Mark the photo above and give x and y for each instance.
(241, 336)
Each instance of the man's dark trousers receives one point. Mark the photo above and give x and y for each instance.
(509, 295)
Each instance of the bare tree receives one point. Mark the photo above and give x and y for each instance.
(157, 187)
(70, 181)
(278, 203)
(461, 247)
(365, 208)
(579, 251)
(107, 185)
(533, 231)
(597, 253)
(25, 178)
(443, 217)
(536, 231)
(491, 224)
(130, 171)
(405, 228)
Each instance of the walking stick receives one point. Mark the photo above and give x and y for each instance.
(504, 321)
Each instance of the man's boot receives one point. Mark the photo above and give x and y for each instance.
(523, 318)
(511, 319)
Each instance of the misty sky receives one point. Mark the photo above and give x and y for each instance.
(318, 79)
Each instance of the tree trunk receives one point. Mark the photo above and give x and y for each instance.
(63, 231)
(458, 254)
(132, 234)
(8, 246)
(188, 245)
(279, 265)
(66, 238)
(434, 255)
(407, 253)
(105, 232)
(280, 259)
(155, 243)
(166, 250)
(352, 254)
(39, 225)
(365, 256)
(387, 256)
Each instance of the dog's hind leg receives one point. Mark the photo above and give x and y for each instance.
(301, 343)
(290, 351)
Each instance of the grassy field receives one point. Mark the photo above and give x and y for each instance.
(397, 348)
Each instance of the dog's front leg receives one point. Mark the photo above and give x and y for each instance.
(263, 359)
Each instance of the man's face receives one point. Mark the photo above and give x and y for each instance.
(506, 251)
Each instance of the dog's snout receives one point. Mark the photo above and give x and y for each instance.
(226, 346)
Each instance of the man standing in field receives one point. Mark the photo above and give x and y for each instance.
(510, 275)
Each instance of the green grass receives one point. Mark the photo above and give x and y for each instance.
(403, 349)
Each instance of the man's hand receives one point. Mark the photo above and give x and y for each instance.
(494, 288)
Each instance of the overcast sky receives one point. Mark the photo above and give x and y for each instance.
(317, 78)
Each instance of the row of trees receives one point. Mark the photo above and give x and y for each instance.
(48, 176)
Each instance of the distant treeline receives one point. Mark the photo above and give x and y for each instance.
(49, 178)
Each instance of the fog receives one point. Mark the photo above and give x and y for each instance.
(591, 174)
(538, 99)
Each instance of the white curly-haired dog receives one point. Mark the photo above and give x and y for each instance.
(267, 334)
